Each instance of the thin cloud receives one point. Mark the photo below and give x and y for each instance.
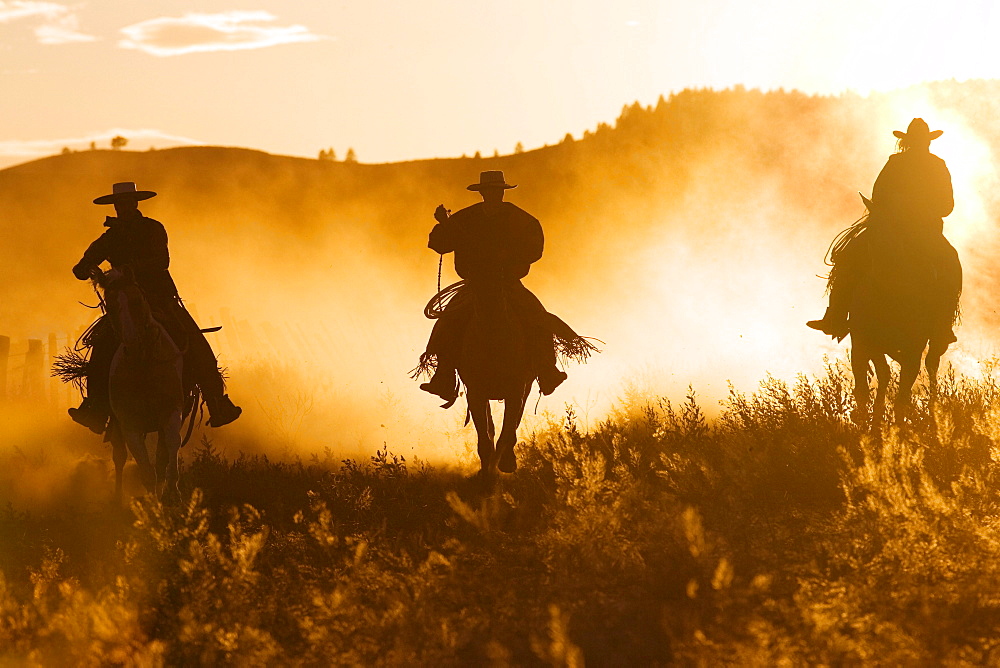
(61, 25)
(62, 31)
(227, 31)
(11, 11)
(16, 151)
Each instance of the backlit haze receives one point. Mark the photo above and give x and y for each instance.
(688, 237)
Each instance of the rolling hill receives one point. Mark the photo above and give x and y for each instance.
(687, 236)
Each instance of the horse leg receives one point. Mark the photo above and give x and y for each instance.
(859, 366)
(932, 363)
(482, 418)
(136, 441)
(512, 413)
(119, 455)
(883, 374)
(168, 444)
(909, 369)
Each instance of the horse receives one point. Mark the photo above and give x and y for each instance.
(146, 388)
(868, 353)
(894, 314)
(494, 364)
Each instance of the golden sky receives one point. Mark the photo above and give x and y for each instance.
(399, 80)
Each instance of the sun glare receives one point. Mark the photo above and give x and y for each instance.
(968, 159)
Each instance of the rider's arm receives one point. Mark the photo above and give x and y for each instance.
(883, 183)
(530, 242)
(534, 241)
(442, 239)
(154, 255)
(943, 195)
(444, 235)
(95, 254)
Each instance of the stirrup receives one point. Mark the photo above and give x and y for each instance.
(551, 381)
(223, 411)
(90, 418)
(442, 387)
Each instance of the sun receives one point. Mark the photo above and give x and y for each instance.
(968, 160)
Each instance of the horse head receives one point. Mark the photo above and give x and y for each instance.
(127, 309)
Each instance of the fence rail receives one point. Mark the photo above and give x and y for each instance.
(26, 363)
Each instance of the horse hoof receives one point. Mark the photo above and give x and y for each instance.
(507, 462)
(484, 480)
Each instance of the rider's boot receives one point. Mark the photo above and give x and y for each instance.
(549, 379)
(444, 382)
(941, 339)
(833, 323)
(946, 336)
(221, 410)
(91, 415)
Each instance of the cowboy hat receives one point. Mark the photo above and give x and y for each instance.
(123, 191)
(491, 179)
(917, 129)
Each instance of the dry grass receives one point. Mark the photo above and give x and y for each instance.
(774, 534)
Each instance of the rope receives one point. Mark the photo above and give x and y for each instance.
(439, 302)
(842, 240)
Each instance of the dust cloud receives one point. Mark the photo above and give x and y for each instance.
(687, 238)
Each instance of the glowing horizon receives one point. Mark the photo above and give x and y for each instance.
(399, 82)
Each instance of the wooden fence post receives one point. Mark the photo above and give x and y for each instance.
(69, 392)
(34, 370)
(4, 356)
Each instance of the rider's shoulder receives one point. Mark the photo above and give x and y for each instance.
(915, 158)
(519, 213)
(900, 158)
(936, 159)
(152, 223)
(466, 213)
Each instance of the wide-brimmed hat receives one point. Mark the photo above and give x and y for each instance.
(491, 179)
(916, 130)
(124, 191)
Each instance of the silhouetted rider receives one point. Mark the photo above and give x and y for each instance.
(911, 196)
(495, 242)
(138, 244)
